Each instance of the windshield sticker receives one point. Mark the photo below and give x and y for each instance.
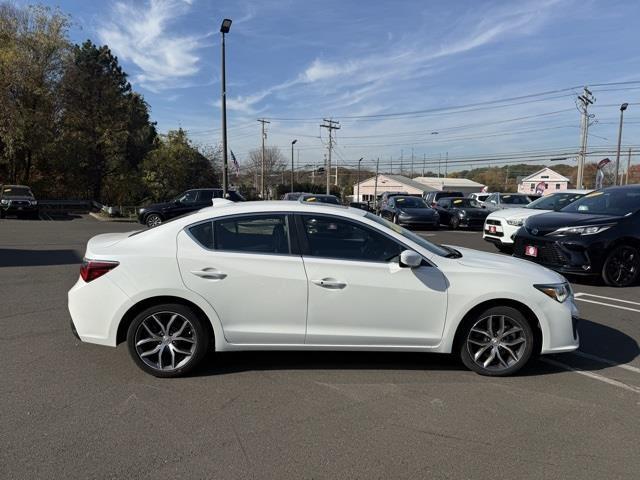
(506, 196)
(399, 200)
(311, 199)
(457, 201)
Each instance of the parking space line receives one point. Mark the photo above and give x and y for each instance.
(592, 375)
(607, 361)
(578, 296)
(582, 294)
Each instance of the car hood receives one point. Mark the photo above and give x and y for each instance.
(472, 211)
(422, 212)
(517, 213)
(496, 263)
(551, 221)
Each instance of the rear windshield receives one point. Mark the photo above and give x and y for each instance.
(554, 202)
(514, 199)
(619, 202)
(322, 199)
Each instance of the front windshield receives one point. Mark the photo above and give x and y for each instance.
(465, 203)
(514, 199)
(431, 247)
(16, 192)
(619, 202)
(555, 201)
(409, 202)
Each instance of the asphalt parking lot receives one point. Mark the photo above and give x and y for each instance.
(72, 410)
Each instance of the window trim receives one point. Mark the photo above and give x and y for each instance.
(306, 249)
(294, 248)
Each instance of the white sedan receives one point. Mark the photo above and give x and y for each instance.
(295, 276)
(501, 225)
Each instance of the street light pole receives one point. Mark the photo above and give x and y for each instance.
(623, 107)
(358, 179)
(224, 28)
(292, 144)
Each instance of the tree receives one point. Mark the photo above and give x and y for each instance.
(33, 46)
(176, 165)
(274, 166)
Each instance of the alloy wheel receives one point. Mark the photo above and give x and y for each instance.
(165, 341)
(153, 220)
(621, 268)
(496, 342)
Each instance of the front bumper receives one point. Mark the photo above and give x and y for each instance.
(419, 222)
(560, 329)
(19, 209)
(503, 232)
(567, 256)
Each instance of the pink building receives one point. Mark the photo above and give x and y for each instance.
(543, 181)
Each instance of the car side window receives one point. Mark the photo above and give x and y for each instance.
(252, 234)
(204, 196)
(333, 237)
(189, 197)
(203, 234)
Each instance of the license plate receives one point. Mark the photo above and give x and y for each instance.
(531, 251)
(492, 229)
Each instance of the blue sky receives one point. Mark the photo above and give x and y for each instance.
(300, 61)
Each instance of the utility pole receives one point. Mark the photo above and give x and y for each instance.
(401, 161)
(506, 180)
(358, 180)
(424, 163)
(391, 161)
(292, 169)
(446, 164)
(264, 135)
(439, 161)
(330, 125)
(585, 99)
(628, 167)
(411, 162)
(375, 188)
(623, 107)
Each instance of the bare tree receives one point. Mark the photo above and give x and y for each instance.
(275, 164)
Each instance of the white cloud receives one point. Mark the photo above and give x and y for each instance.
(141, 34)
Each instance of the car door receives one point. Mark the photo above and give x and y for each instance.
(388, 211)
(203, 199)
(185, 204)
(246, 267)
(358, 292)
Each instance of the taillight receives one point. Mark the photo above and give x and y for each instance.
(92, 269)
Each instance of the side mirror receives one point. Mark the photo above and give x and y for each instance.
(410, 259)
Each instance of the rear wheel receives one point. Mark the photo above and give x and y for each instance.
(153, 220)
(167, 340)
(622, 266)
(497, 342)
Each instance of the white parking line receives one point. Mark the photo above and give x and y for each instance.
(592, 375)
(578, 296)
(607, 361)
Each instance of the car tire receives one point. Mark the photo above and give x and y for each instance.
(395, 219)
(167, 340)
(152, 220)
(454, 222)
(497, 342)
(622, 266)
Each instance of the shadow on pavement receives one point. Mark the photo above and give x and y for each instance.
(15, 257)
(596, 339)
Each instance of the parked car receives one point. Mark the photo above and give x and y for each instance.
(432, 197)
(293, 195)
(479, 197)
(214, 280)
(498, 201)
(501, 225)
(410, 212)
(384, 197)
(361, 205)
(187, 202)
(461, 212)
(18, 200)
(318, 198)
(597, 235)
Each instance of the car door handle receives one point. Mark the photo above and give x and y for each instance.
(330, 283)
(209, 274)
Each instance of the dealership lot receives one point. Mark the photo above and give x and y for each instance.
(78, 411)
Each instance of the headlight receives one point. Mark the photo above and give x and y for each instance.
(34, 202)
(462, 213)
(4, 201)
(586, 230)
(402, 213)
(515, 222)
(558, 291)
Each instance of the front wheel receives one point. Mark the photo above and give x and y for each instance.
(167, 340)
(454, 222)
(153, 220)
(497, 342)
(622, 266)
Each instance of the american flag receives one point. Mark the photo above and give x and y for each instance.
(236, 166)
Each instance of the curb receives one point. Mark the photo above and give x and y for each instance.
(101, 218)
